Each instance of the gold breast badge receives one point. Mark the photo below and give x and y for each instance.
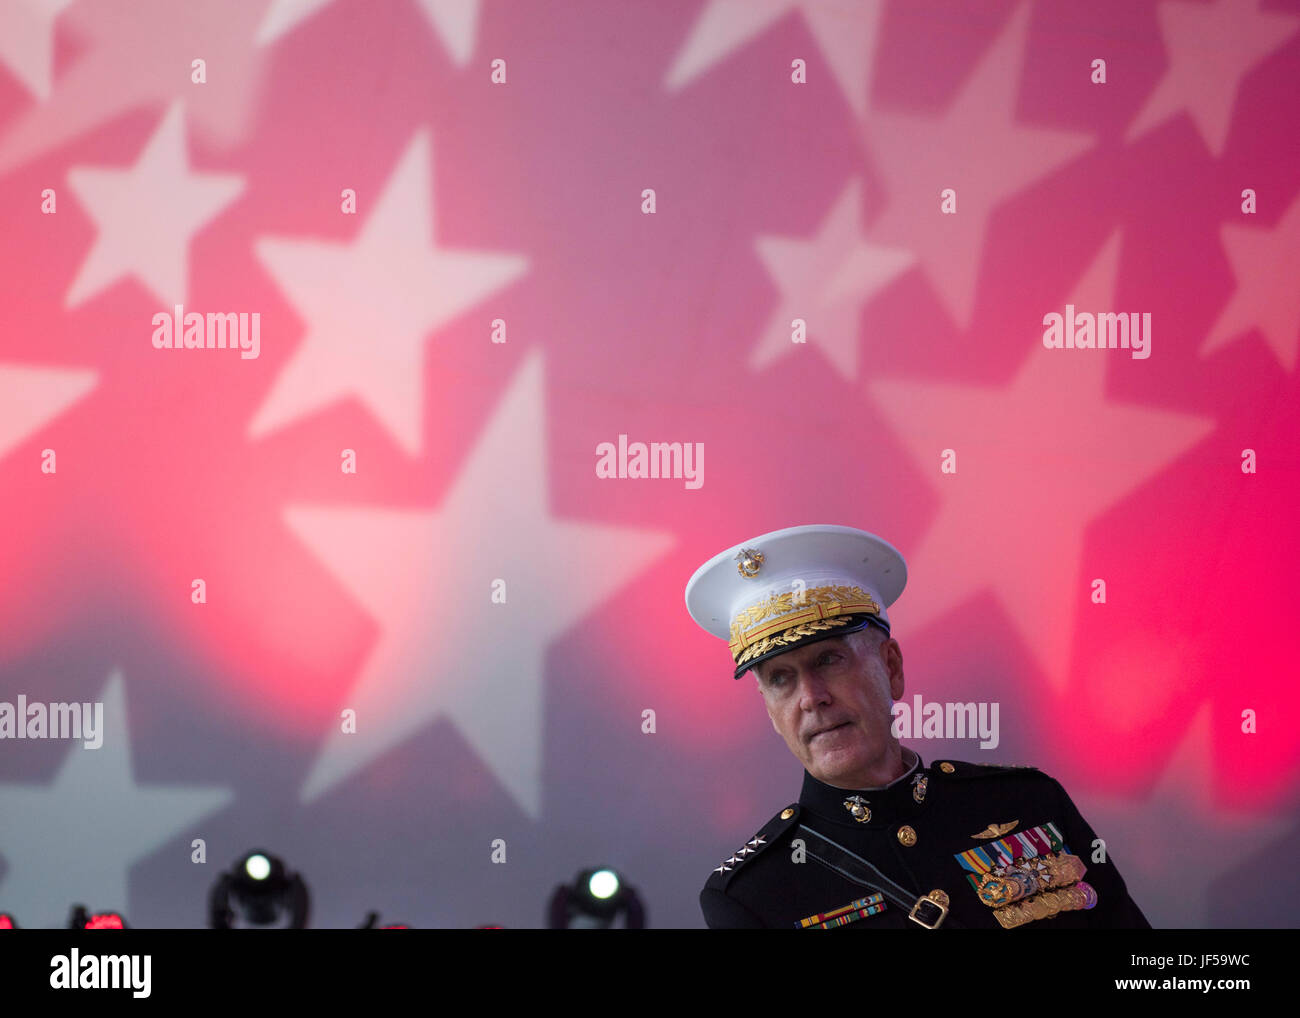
(996, 830)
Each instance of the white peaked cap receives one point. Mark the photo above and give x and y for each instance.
(772, 593)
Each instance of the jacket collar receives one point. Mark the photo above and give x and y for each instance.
(886, 805)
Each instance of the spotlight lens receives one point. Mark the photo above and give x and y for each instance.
(258, 867)
(603, 884)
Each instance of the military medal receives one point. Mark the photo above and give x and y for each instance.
(857, 806)
(853, 911)
(1027, 876)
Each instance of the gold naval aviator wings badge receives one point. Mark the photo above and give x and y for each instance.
(996, 830)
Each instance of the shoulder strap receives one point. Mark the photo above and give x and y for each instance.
(853, 867)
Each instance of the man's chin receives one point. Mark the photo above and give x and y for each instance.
(834, 768)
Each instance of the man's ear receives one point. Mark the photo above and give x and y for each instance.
(893, 654)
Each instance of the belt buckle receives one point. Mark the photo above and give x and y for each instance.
(936, 900)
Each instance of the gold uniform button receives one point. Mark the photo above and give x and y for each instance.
(786, 814)
(946, 767)
(907, 836)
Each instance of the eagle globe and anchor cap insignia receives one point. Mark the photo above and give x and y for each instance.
(858, 807)
(751, 560)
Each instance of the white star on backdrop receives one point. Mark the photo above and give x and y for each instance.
(282, 16)
(1266, 266)
(136, 55)
(445, 649)
(825, 281)
(845, 31)
(1211, 48)
(75, 840)
(919, 157)
(371, 304)
(147, 216)
(30, 397)
(27, 41)
(1037, 461)
(454, 21)
(1151, 839)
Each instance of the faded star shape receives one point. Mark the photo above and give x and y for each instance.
(147, 215)
(282, 16)
(845, 31)
(370, 305)
(1036, 461)
(454, 21)
(31, 397)
(27, 41)
(445, 649)
(975, 148)
(75, 839)
(1152, 838)
(1266, 264)
(138, 55)
(825, 281)
(1211, 48)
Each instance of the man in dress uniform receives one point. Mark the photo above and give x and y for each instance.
(878, 840)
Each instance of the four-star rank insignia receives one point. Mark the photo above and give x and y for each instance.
(750, 846)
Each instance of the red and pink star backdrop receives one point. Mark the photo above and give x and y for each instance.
(481, 202)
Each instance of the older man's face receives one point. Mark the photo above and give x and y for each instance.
(831, 703)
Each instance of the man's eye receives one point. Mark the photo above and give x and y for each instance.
(827, 658)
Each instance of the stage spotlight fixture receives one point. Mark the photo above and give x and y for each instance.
(80, 919)
(603, 884)
(258, 892)
(595, 900)
(7, 922)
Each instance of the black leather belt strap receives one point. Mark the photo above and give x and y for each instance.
(853, 867)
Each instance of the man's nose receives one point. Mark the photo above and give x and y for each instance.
(812, 688)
